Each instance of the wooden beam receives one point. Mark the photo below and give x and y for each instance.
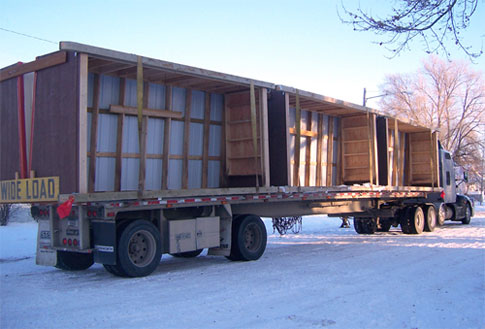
(188, 108)
(222, 168)
(205, 151)
(119, 138)
(128, 110)
(308, 153)
(166, 138)
(318, 174)
(254, 131)
(330, 140)
(395, 166)
(296, 157)
(304, 132)
(340, 170)
(264, 135)
(141, 125)
(40, 63)
(83, 124)
(94, 134)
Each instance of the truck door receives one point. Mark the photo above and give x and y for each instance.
(448, 175)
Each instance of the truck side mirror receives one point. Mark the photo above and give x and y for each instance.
(465, 177)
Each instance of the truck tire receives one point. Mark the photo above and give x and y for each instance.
(365, 225)
(385, 227)
(413, 221)
(249, 238)
(440, 219)
(139, 249)
(74, 261)
(430, 222)
(188, 254)
(115, 270)
(466, 220)
(358, 225)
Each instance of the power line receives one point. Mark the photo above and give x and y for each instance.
(28, 36)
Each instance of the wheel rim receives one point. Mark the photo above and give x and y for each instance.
(252, 237)
(431, 217)
(419, 219)
(442, 214)
(141, 248)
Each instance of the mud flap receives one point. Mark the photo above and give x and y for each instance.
(45, 254)
(104, 240)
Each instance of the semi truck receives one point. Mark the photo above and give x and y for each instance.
(125, 158)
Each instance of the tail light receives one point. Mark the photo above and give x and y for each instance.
(442, 195)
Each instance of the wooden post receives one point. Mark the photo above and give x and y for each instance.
(141, 139)
(254, 129)
(83, 124)
(205, 151)
(396, 154)
(166, 138)
(296, 158)
(223, 167)
(340, 164)
(264, 139)
(94, 135)
(329, 172)
(318, 174)
(375, 159)
(369, 135)
(185, 166)
(119, 139)
(308, 153)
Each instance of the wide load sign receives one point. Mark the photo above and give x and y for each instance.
(29, 190)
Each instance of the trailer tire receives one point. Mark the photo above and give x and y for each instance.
(249, 238)
(466, 220)
(430, 222)
(139, 249)
(115, 270)
(364, 225)
(385, 227)
(188, 254)
(440, 219)
(358, 225)
(74, 261)
(413, 221)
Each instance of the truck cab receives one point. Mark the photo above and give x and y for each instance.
(455, 207)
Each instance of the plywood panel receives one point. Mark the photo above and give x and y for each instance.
(359, 152)
(9, 143)
(240, 153)
(56, 125)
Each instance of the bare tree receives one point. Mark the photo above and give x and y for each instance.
(445, 96)
(434, 22)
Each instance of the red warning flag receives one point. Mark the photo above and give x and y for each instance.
(65, 209)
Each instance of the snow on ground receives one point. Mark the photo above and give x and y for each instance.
(323, 277)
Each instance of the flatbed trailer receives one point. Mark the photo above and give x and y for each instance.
(128, 233)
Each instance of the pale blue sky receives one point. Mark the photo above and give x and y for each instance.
(301, 44)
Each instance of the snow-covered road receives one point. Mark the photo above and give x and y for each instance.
(322, 277)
